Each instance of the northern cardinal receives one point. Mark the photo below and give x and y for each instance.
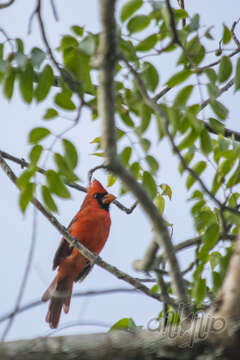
(91, 227)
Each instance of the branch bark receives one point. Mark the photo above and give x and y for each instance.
(108, 55)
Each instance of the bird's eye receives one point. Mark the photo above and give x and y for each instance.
(95, 196)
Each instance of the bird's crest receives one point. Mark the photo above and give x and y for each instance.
(96, 187)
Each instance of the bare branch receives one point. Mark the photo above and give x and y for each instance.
(221, 91)
(23, 163)
(54, 9)
(87, 293)
(81, 248)
(106, 103)
(237, 42)
(91, 172)
(3, 6)
(200, 69)
(182, 6)
(146, 263)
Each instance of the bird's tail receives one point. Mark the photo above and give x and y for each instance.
(59, 293)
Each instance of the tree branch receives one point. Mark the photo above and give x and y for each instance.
(87, 293)
(23, 163)
(3, 6)
(106, 103)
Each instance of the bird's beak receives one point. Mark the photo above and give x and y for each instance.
(107, 199)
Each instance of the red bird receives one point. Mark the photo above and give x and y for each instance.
(91, 227)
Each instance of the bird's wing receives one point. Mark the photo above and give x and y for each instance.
(86, 270)
(64, 249)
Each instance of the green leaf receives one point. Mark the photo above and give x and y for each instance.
(38, 56)
(188, 140)
(124, 114)
(145, 144)
(199, 291)
(211, 74)
(210, 238)
(26, 196)
(235, 178)
(88, 44)
(78, 30)
(159, 201)
(198, 168)
(145, 113)
(63, 167)
(217, 281)
(148, 43)
(56, 185)
(225, 69)
(138, 23)
(70, 153)
(214, 259)
(64, 101)
(26, 83)
(227, 35)
(20, 45)
(37, 134)
(48, 199)
(194, 24)
(205, 142)
(50, 114)
(152, 163)
(129, 8)
(25, 177)
(21, 60)
(179, 77)
(111, 180)
(219, 109)
(135, 169)
(126, 154)
(183, 96)
(166, 190)
(68, 41)
(149, 184)
(237, 76)
(150, 76)
(35, 154)
(8, 83)
(45, 81)
(126, 324)
(216, 125)
(77, 62)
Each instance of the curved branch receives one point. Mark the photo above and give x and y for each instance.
(3, 6)
(108, 54)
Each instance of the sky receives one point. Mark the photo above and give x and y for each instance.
(130, 234)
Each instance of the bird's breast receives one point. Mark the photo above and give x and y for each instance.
(92, 229)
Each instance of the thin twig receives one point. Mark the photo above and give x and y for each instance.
(3, 6)
(200, 69)
(54, 9)
(237, 42)
(93, 258)
(23, 163)
(87, 293)
(221, 91)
